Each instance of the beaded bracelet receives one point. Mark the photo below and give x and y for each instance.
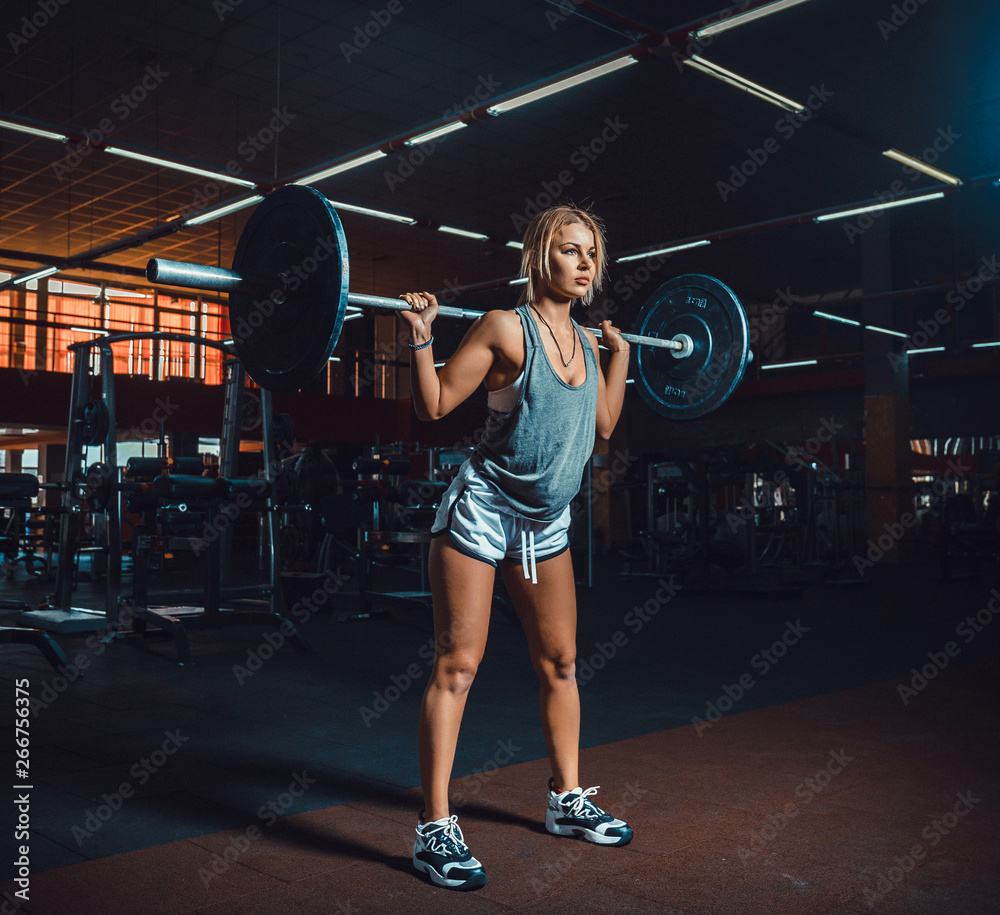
(420, 345)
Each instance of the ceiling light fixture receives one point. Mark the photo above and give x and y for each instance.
(732, 22)
(559, 85)
(670, 250)
(435, 134)
(34, 275)
(884, 205)
(341, 167)
(448, 230)
(35, 131)
(929, 349)
(378, 214)
(741, 82)
(823, 314)
(921, 166)
(225, 210)
(789, 365)
(517, 245)
(519, 281)
(885, 330)
(178, 166)
(984, 345)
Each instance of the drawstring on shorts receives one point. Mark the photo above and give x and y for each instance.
(528, 546)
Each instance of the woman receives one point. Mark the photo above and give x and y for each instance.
(547, 398)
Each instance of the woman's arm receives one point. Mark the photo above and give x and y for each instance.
(436, 393)
(610, 389)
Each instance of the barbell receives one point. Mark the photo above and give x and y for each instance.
(288, 295)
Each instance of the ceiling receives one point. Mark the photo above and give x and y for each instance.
(208, 82)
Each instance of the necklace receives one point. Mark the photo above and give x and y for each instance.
(566, 364)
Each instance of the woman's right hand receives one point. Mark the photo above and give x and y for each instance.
(423, 310)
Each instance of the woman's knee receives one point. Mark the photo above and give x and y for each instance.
(454, 672)
(557, 666)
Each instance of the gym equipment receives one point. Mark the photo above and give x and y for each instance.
(160, 489)
(288, 293)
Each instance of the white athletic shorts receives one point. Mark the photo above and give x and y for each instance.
(480, 523)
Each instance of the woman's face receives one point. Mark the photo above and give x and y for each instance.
(571, 261)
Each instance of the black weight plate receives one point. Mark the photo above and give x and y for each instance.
(709, 312)
(94, 422)
(294, 232)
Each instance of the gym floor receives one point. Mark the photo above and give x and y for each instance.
(773, 750)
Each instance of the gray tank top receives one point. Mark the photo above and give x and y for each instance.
(535, 455)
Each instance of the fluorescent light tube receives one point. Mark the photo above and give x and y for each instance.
(516, 244)
(341, 167)
(35, 131)
(684, 247)
(542, 92)
(982, 345)
(34, 275)
(921, 166)
(884, 330)
(378, 214)
(877, 206)
(224, 210)
(790, 365)
(823, 314)
(733, 22)
(83, 289)
(448, 230)
(520, 281)
(929, 349)
(179, 166)
(741, 82)
(435, 134)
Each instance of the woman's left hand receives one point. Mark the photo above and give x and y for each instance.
(612, 339)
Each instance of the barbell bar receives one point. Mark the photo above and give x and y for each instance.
(288, 293)
(219, 279)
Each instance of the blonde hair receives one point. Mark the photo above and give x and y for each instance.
(538, 239)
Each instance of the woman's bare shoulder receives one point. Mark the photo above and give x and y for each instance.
(501, 326)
